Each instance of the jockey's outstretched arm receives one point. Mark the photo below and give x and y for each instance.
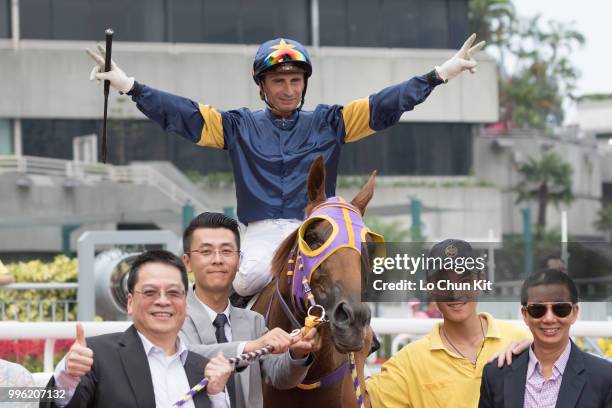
(194, 121)
(365, 116)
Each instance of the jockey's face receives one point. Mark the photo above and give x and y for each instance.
(283, 91)
(215, 260)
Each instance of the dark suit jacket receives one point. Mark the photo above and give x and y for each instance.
(586, 383)
(121, 377)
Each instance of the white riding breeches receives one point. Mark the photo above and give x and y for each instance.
(260, 241)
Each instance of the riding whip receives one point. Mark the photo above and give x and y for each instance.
(107, 67)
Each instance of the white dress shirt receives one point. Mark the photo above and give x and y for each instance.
(228, 326)
(228, 334)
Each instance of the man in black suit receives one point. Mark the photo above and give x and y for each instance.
(553, 372)
(147, 365)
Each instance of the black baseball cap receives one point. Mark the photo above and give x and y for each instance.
(449, 250)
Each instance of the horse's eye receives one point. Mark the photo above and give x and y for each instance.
(313, 240)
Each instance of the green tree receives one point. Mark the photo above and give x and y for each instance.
(543, 76)
(603, 222)
(546, 181)
(535, 73)
(492, 21)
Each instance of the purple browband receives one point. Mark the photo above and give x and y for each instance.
(348, 228)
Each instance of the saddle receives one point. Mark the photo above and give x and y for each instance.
(242, 302)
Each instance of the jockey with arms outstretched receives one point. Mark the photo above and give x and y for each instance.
(271, 149)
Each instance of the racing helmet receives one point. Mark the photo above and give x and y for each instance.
(281, 54)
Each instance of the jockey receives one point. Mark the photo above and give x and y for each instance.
(271, 149)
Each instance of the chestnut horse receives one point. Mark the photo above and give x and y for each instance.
(335, 280)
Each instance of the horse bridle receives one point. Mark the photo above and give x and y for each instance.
(303, 261)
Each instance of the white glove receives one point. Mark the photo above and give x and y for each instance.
(118, 79)
(461, 61)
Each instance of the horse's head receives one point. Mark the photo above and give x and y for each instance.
(329, 252)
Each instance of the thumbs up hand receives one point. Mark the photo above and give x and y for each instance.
(79, 358)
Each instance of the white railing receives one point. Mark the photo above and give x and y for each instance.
(393, 326)
(96, 172)
(53, 306)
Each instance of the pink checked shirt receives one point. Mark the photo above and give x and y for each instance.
(539, 392)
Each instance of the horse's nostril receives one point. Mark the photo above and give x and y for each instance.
(342, 313)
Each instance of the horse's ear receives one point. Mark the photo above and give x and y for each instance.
(316, 182)
(364, 195)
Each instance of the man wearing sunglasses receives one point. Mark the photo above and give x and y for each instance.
(553, 372)
(211, 243)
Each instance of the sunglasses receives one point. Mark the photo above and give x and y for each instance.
(561, 309)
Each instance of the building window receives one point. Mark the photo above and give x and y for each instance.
(5, 18)
(424, 149)
(193, 21)
(6, 136)
(393, 23)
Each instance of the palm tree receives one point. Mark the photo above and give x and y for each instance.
(546, 181)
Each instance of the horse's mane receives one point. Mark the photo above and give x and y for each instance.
(279, 262)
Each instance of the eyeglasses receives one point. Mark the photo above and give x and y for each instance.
(209, 253)
(152, 294)
(560, 309)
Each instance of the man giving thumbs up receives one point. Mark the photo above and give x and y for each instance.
(147, 365)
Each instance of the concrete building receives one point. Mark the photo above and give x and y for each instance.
(500, 156)
(594, 117)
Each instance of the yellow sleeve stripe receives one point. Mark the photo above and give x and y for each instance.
(212, 132)
(356, 116)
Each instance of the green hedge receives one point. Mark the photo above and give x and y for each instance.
(62, 269)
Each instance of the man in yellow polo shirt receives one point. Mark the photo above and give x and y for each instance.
(444, 368)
